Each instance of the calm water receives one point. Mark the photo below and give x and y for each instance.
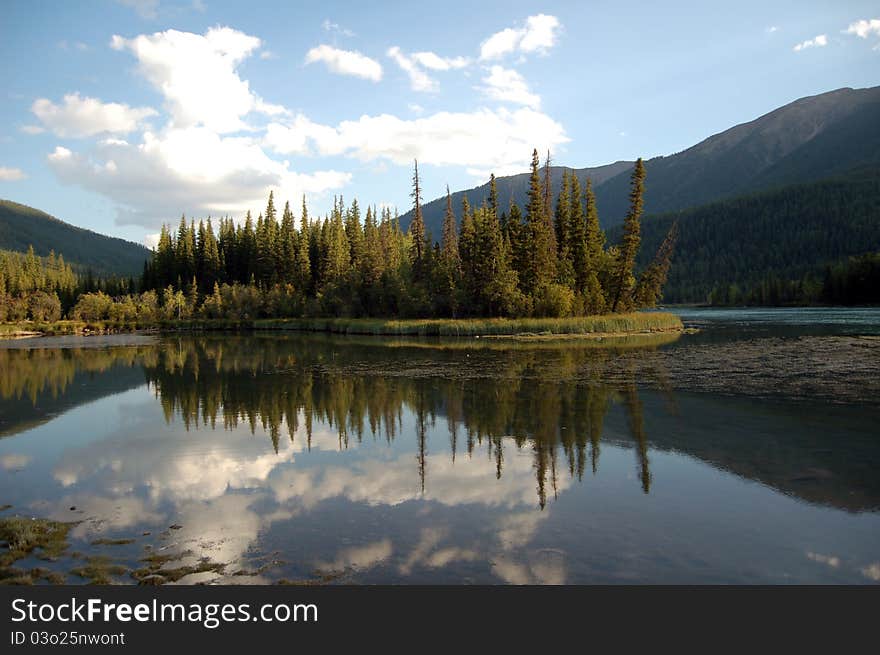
(748, 452)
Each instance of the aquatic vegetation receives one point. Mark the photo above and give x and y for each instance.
(23, 536)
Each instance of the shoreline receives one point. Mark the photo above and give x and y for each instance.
(597, 327)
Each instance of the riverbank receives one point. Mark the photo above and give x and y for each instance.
(586, 326)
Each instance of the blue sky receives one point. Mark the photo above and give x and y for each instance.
(119, 115)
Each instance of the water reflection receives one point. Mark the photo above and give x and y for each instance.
(346, 454)
(280, 384)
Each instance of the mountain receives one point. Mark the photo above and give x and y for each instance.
(809, 139)
(785, 234)
(513, 187)
(22, 226)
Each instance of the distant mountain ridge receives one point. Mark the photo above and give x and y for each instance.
(785, 234)
(22, 226)
(809, 139)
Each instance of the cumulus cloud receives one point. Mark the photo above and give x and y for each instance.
(32, 129)
(435, 62)
(819, 41)
(872, 571)
(507, 85)
(11, 174)
(346, 62)
(484, 140)
(197, 75)
(419, 80)
(197, 170)
(359, 557)
(830, 560)
(196, 161)
(13, 462)
(538, 35)
(83, 117)
(864, 28)
(416, 65)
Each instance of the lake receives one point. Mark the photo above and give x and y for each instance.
(745, 452)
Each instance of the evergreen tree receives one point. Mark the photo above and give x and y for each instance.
(450, 259)
(651, 281)
(467, 254)
(417, 225)
(565, 271)
(355, 234)
(539, 268)
(287, 247)
(621, 295)
(371, 263)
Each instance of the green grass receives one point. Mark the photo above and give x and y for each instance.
(587, 325)
(21, 536)
(611, 324)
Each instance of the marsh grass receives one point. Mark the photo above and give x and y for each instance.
(23, 536)
(606, 325)
(99, 569)
(635, 323)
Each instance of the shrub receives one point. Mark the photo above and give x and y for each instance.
(44, 306)
(92, 307)
(554, 301)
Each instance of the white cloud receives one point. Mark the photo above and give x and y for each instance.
(359, 557)
(507, 85)
(484, 140)
(346, 62)
(830, 560)
(32, 129)
(199, 172)
(13, 462)
(197, 75)
(419, 80)
(500, 44)
(872, 571)
(416, 108)
(864, 28)
(538, 35)
(435, 62)
(83, 117)
(11, 174)
(414, 64)
(151, 240)
(772, 29)
(819, 41)
(268, 54)
(200, 167)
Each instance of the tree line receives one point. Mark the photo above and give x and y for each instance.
(546, 259)
(852, 281)
(791, 245)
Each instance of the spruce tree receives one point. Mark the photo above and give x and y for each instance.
(565, 272)
(449, 254)
(539, 268)
(355, 234)
(650, 286)
(417, 225)
(630, 241)
(287, 246)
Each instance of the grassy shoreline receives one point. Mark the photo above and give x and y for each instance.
(586, 326)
